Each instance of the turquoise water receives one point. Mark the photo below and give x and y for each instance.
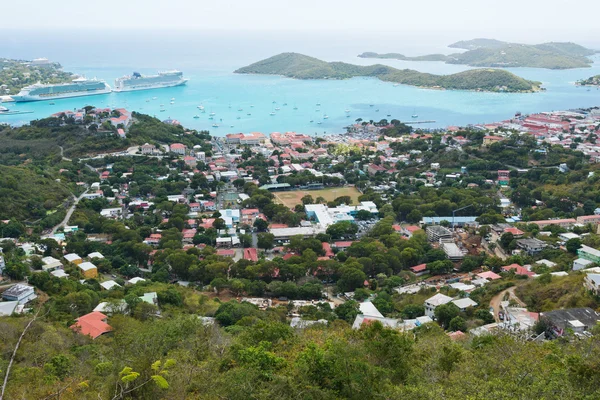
(212, 84)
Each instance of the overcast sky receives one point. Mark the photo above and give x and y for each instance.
(518, 20)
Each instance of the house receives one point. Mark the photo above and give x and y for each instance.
(20, 293)
(93, 324)
(88, 270)
(59, 273)
(592, 283)
(73, 258)
(327, 249)
(95, 254)
(148, 148)
(576, 320)
(50, 263)
(150, 298)
(409, 230)
(342, 245)
(250, 254)
(563, 223)
(519, 270)
(433, 302)
(489, 140)
(8, 308)
(178, 148)
(489, 275)
(581, 263)
(589, 253)
(464, 303)
(531, 245)
(420, 269)
(135, 280)
(108, 285)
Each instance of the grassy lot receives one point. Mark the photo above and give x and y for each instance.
(290, 199)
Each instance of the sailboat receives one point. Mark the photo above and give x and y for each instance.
(325, 116)
(415, 115)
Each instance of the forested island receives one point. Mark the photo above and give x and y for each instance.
(591, 81)
(16, 74)
(299, 66)
(495, 53)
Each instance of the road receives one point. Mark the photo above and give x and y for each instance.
(69, 212)
(496, 300)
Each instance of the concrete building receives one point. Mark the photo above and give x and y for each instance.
(576, 320)
(88, 270)
(453, 252)
(433, 302)
(73, 258)
(581, 263)
(50, 264)
(589, 253)
(532, 246)
(20, 293)
(436, 233)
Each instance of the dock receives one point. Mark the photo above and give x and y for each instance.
(429, 121)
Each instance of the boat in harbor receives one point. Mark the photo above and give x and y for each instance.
(277, 108)
(137, 81)
(76, 88)
(200, 107)
(215, 125)
(213, 114)
(325, 116)
(196, 116)
(272, 113)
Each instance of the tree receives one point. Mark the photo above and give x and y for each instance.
(347, 311)
(363, 215)
(458, 324)
(573, 245)
(445, 313)
(506, 239)
(219, 223)
(351, 279)
(308, 199)
(265, 240)
(413, 311)
(341, 229)
(260, 224)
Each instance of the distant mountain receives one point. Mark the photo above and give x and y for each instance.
(495, 53)
(299, 66)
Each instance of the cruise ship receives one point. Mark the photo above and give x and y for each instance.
(138, 81)
(77, 87)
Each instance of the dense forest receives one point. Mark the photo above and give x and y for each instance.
(299, 66)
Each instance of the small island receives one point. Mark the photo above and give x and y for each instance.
(299, 66)
(592, 81)
(495, 53)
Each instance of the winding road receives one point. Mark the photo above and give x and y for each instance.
(69, 212)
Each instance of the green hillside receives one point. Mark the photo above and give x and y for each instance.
(16, 74)
(299, 66)
(27, 194)
(495, 53)
(591, 81)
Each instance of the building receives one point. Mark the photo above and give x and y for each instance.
(88, 270)
(563, 223)
(464, 303)
(248, 139)
(93, 324)
(576, 320)
(519, 270)
(453, 252)
(108, 285)
(589, 219)
(20, 293)
(304, 231)
(489, 140)
(433, 302)
(8, 308)
(420, 269)
(592, 283)
(148, 148)
(581, 263)
(436, 233)
(50, 264)
(178, 148)
(251, 254)
(73, 258)
(531, 245)
(454, 221)
(589, 253)
(503, 177)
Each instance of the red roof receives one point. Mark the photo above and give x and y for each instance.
(419, 268)
(489, 275)
(396, 227)
(514, 231)
(327, 249)
(92, 324)
(250, 211)
(412, 228)
(226, 252)
(343, 244)
(250, 254)
(519, 270)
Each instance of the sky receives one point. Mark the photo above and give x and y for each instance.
(527, 21)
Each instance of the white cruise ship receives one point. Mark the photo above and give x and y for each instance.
(78, 87)
(138, 81)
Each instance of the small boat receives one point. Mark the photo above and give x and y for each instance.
(248, 114)
(396, 84)
(215, 125)
(208, 117)
(231, 126)
(162, 110)
(162, 105)
(240, 109)
(318, 104)
(239, 117)
(346, 111)
(172, 98)
(370, 105)
(52, 103)
(154, 98)
(147, 100)
(319, 122)
(196, 116)
(200, 107)
(325, 116)
(277, 108)
(251, 105)
(348, 116)
(377, 110)
(389, 115)
(274, 102)
(272, 113)
(318, 110)
(295, 108)
(172, 102)
(213, 113)
(311, 121)
(285, 104)
(415, 116)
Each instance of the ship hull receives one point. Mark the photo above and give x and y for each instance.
(27, 98)
(134, 88)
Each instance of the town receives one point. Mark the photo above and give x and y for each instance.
(476, 231)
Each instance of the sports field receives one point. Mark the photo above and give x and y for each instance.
(291, 198)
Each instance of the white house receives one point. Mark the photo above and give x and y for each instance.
(110, 285)
(465, 303)
(433, 302)
(20, 293)
(50, 263)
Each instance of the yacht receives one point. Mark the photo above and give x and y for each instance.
(346, 111)
(76, 88)
(325, 116)
(272, 113)
(196, 116)
(137, 81)
(415, 116)
(239, 117)
(213, 114)
(277, 108)
(215, 125)
(200, 107)
(295, 108)
(240, 109)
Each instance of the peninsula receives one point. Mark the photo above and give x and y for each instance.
(299, 66)
(16, 74)
(495, 53)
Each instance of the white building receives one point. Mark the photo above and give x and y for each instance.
(19, 293)
(433, 302)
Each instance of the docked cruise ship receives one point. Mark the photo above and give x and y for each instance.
(138, 81)
(77, 87)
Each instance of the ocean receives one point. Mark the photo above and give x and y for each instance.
(244, 103)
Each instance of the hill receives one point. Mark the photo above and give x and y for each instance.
(495, 53)
(299, 66)
(28, 194)
(16, 74)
